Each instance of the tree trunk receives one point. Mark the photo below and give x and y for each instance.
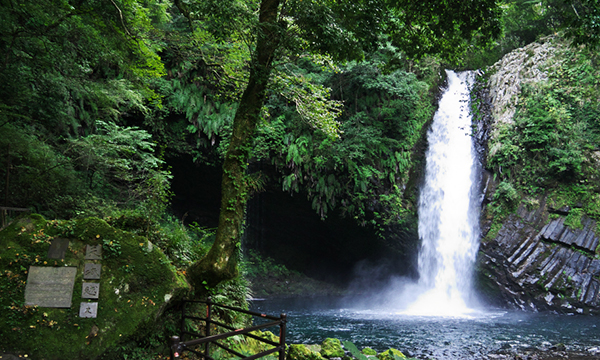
(221, 261)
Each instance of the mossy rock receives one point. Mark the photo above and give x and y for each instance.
(368, 351)
(254, 346)
(331, 348)
(137, 282)
(301, 352)
(389, 354)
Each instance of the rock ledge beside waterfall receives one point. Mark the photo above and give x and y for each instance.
(536, 262)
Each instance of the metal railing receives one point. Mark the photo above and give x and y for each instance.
(178, 345)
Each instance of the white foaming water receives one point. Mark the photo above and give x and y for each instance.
(448, 208)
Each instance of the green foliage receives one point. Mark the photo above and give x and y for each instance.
(573, 219)
(40, 177)
(525, 21)
(354, 351)
(65, 65)
(111, 248)
(73, 72)
(443, 28)
(254, 265)
(364, 172)
(506, 195)
(552, 145)
(312, 101)
(122, 160)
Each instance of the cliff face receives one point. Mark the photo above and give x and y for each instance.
(541, 255)
(536, 262)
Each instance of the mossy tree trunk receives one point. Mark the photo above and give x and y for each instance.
(221, 261)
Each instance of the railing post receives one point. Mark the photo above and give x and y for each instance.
(207, 330)
(182, 329)
(283, 319)
(175, 348)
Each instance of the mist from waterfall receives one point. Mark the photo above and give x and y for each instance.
(448, 207)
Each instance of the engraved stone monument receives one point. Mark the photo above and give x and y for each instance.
(50, 286)
(90, 290)
(58, 248)
(93, 252)
(91, 271)
(88, 310)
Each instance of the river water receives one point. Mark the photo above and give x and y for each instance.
(311, 320)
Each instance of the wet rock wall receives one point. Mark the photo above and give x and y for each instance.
(536, 262)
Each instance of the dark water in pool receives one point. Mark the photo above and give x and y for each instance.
(311, 320)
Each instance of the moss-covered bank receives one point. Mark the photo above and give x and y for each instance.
(137, 282)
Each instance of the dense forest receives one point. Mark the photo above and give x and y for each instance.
(102, 103)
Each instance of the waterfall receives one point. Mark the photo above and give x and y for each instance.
(448, 206)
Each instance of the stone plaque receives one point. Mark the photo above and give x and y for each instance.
(58, 248)
(90, 290)
(88, 310)
(93, 252)
(91, 271)
(50, 286)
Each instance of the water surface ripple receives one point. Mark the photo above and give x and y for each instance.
(310, 321)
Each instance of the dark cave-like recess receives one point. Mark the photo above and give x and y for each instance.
(287, 229)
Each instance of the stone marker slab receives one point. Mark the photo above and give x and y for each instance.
(50, 286)
(88, 310)
(58, 248)
(90, 290)
(91, 271)
(93, 252)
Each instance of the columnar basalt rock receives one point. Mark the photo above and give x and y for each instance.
(539, 263)
(526, 65)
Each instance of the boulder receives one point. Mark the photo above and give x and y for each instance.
(301, 352)
(537, 262)
(391, 354)
(332, 348)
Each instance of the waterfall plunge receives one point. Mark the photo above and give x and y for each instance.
(448, 207)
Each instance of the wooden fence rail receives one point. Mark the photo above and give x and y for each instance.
(4, 212)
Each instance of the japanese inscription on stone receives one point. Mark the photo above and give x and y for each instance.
(50, 286)
(91, 271)
(90, 290)
(88, 310)
(93, 252)
(58, 248)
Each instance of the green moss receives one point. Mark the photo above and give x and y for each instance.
(135, 286)
(301, 352)
(332, 348)
(494, 230)
(389, 354)
(573, 219)
(250, 346)
(369, 351)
